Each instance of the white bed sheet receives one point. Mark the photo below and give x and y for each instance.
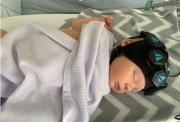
(54, 20)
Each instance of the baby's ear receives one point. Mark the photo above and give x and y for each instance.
(126, 42)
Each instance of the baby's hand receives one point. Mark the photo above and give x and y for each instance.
(108, 22)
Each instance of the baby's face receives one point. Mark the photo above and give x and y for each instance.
(125, 75)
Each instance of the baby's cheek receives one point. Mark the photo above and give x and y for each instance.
(110, 74)
(121, 77)
(113, 75)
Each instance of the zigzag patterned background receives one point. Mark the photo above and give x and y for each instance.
(130, 107)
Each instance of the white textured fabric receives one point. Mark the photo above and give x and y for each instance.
(56, 78)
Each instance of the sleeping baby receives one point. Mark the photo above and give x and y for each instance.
(132, 67)
(54, 75)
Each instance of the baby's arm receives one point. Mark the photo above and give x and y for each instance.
(73, 33)
(77, 24)
(76, 27)
(2, 33)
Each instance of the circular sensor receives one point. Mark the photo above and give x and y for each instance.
(157, 57)
(159, 78)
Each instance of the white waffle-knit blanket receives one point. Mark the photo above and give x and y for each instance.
(56, 78)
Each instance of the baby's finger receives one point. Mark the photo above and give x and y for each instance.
(109, 27)
(108, 19)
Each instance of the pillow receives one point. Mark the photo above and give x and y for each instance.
(10, 7)
(76, 6)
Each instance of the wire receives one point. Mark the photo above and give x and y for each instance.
(151, 3)
(177, 117)
(174, 75)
